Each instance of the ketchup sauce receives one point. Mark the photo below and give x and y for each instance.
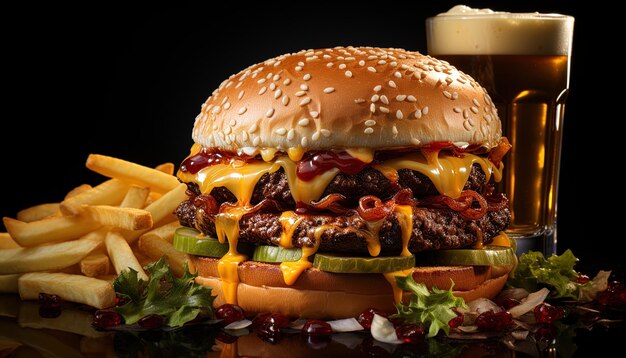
(206, 158)
(318, 162)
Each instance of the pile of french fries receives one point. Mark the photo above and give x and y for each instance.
(76, 248)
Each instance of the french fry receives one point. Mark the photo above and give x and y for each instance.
(123, 218)
(111, 192)
(135, 197)
(48, 257)
(161, 209)
(7, 242)
(40, 340)
(122, 256)
(107, 278)
(8, 283)
(74, 288)
(132, 173)
(155, 247)
(167, 168)
(165, 232)
(54, 229)
(152, 197)
(70, 320)
(79, 189)
(95, 265)
(38, 212)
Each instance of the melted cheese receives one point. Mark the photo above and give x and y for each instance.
(502, 239)
(289, 221)
(404, 215)
(372, 236)
(292, 270)
(391, 278)
(305, 191)
(366, 155)
(227, 227)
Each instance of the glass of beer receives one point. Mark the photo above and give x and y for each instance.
(523, 60)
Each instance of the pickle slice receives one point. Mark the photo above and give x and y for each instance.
(347, 264)
(193, 242)
(266, 253)
(488, 256)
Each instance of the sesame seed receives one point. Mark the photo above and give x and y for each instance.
(329, 65)
(375, 98)
(227, 130)
(307, 77)
(359, 100)
(281, 131)
(400, 97)
(272, 86)
(425, 110)
(397, 74)
(368, 130)
(378, 88)
(300, 93)
(262, 80)
(392, 84)
(298, 68)
(342, 66)
(456, 109)
(241, 94)
(303, 122)
(327, 57)
(256, 141)
(276, 77)
(244, 136)
(415, 141)
(399, 114)
(455, 95)
(329, 90)
(253, 128)
(405, 67)
(278, 93)
(394, 130)
(384, 109)
(348, 74)
(300, 63)
(373, 108)
(314, 114)
(488, 118)
(370, 122)
(372, 57)
(216, 109)
(285, 100)
(262, 90)
(361, 63)
(310, 53)
(351, 58)
(467, 126)
(371, 69)
(230, 83)
(394, 64)
(231, 138)
(465, 114)
(447, 94)
(312, 58)
(242, 110)
(276, 64)
(475, 101)
(304, 141)
(224, 100)
(325, 132)
(449, 80)
(304, 87)
(291, 134)
(384, 99)
(269, 112)
(474, 109)
(315, 136)
(411, 98)
(305, 101)
(418, 114)
(238, 85)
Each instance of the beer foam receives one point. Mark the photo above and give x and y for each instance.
(466, 31)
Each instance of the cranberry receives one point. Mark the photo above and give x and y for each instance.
(493, 321)
(121, 301)
(229, 313)
(225, 337)
(151, 321)
(546, 313)
(314, 327)
(106, 319)
(366, 317)
(49, 312)
(508, 303)
(614, 295)
(411, 333)
(582, 279)
(50, 301)
(456, 321)
(547, 332)
(268, 325)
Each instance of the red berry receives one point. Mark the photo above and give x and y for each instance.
(121, 301)
(508, 303)
(229, 313)
(582, 279)
(366, 317)
(456, 321)
(411, 333)
(49, 312)
(314, 327)
(614, 295)
(50, 301)
(546, 332)
(493, 321)
(151, 321)
(546, 313)
(106, 319)
(269, 324)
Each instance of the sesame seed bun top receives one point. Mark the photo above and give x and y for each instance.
(363, 97)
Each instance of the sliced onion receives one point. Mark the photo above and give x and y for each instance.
(514, 293)
(297, 324)
(239, 324)
(383, 330)
(468, 329)
(519, 335)
(345, 325)
(481, 305)
(530, 302)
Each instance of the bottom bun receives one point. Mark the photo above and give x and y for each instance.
(323, 295)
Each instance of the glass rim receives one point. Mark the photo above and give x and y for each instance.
(504, 15)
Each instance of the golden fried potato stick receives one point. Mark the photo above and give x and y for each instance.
(132, 173)
(161, 209)
(74, 288)
(48, 257)
(155, 247)
(95, 265)
(8, 283)
(123, 218)
(79, 189)
(167, 168)
(135, 197)
(165, 232)
(7, 242)
(38, 212)
(122, 256)
(111, 192)
(54, 229)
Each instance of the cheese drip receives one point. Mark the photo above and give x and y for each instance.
(292, 270)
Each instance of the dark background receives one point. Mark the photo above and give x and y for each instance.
(128, 82)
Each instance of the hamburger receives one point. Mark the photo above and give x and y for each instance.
(317, 177)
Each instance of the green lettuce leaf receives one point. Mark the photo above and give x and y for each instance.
(178, 300)
(430, 308)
